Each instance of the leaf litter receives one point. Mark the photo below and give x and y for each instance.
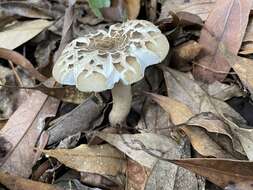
(178, 126)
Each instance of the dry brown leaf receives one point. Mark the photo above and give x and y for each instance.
(203, 144)
(100, 159)
(18, 183)
(137, 176)
(22, 131)
(78, 120)
(226, 24)
(242, 66)
(132, 146)
(23, 9)
(2, 123)
(179, 114)
(20, 32)
(20, 60)
(67, 31)
(155, 120)
(199, 7)
(182, 87)
(213, 124)
(223, 91)
(221, 172)
(147, 149)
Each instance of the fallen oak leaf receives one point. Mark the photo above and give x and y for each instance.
(18, 183)
(20, 60)
(232, 17)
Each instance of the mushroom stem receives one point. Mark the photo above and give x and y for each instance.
(122, 98)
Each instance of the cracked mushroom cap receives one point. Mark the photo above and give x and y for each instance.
(97, 61)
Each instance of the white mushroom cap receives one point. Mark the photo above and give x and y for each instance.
(97, 61)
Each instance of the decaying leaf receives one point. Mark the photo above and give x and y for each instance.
(220, 172)
(242, 66)
(195, 128)
(137, 175)
(147, 149)
(100, 159)
(20, 60)
(179, 114)
(78, 120)
(213, 124)
(23, 9)
(22, 132)
(223, 91)
(182, 87)
(133, 146)
(20, 32)
(228, 15)
(18, 183)
(202, 8)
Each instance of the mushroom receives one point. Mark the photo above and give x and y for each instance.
(112, 60)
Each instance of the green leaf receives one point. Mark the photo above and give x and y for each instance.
(95, 5)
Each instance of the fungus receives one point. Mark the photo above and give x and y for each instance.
(112, 60)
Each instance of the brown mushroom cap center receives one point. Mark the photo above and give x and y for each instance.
(108, 44)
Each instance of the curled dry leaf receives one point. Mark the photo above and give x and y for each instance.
(228, 15)
(18, 183)
(202, 8)
(242, 66)
(200, 139)
(223, 91)
(100, 159)
(19, 32)
(20, 60)
(182, 87)
(23, 9)
(221, 172)
(213, 124)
